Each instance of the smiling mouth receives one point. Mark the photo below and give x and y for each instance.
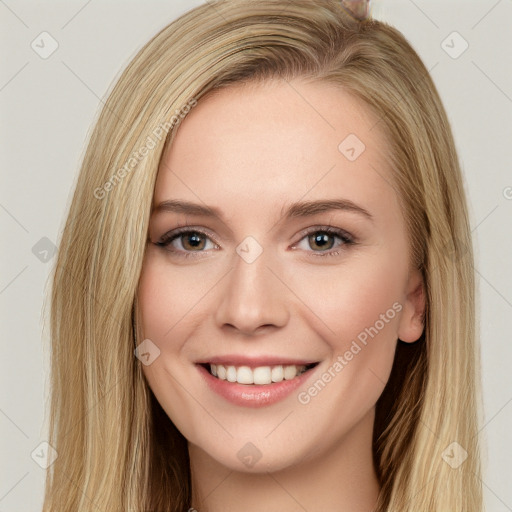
(260, 375)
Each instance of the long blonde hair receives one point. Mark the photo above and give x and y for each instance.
(117, 449)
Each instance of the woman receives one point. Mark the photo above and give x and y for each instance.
(270, 216)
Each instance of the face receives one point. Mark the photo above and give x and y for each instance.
(276, 240)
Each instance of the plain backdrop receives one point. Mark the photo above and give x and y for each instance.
(49, 102)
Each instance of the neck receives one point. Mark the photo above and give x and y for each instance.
(342, 478)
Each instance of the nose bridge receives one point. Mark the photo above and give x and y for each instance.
(252, 296)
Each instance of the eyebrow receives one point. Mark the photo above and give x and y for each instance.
(297, 209)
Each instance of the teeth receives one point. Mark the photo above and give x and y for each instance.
(221, 372)
(262, 375)
(289, 372)
(277, 374)
(259, 375)
(231, 374)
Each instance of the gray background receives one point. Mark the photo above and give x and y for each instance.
(48, 106)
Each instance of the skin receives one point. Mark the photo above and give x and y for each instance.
(250, 151)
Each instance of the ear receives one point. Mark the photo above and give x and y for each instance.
(412, 320)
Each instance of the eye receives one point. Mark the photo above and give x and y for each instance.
(323, 238)
(186, 241)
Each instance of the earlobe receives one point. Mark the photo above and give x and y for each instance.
(412, 321)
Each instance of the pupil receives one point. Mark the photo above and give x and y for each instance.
(194, 240)
(321, 240)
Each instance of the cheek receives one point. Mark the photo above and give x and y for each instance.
(155, 295)
(351, 298)
(168, 298)
(359, 310)
(165, 301)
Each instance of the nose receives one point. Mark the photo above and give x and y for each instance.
(252, 299)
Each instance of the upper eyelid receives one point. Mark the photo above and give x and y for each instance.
(174, 233)
(333, 230)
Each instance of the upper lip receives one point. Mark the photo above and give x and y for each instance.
(255, 361)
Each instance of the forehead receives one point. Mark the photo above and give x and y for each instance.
(279, 141)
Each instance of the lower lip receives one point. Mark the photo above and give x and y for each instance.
(251, 395)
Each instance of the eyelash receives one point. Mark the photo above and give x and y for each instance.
(345, 237)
